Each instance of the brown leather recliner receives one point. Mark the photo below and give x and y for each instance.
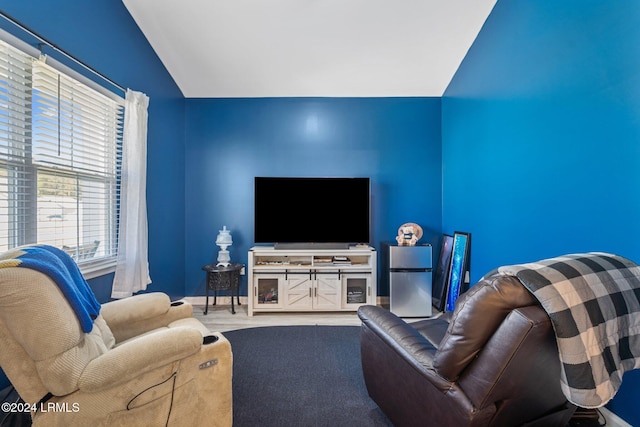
(492, 362)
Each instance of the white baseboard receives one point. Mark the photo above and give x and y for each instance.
(613, 420)
(222, 300)
(225, 300)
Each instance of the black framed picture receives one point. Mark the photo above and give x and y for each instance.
(441, 274)
(458, 268)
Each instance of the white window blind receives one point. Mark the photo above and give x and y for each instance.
(61, 157)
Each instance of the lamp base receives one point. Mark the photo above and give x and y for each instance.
(224, 258)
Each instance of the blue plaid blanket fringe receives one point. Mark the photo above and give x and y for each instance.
(593, 301)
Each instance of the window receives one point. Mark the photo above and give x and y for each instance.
(60, 157)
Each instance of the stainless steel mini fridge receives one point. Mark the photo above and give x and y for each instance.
(409, 270)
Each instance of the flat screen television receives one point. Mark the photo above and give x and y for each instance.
(311, 212)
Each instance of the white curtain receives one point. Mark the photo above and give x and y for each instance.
(132, 269)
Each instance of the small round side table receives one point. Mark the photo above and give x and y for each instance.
(223, 278)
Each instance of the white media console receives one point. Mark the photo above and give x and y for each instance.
(311, 279)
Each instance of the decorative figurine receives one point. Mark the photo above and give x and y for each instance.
(409, 234)
(224, 241)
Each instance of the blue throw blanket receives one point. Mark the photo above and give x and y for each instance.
(63, 270)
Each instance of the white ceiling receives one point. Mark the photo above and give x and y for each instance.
(328, 48)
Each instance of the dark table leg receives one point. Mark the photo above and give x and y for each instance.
(206, 304)
(233, 310)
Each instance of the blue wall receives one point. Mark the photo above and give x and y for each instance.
(541, 147)
(394, 141)
(539, 132)
(103, 34)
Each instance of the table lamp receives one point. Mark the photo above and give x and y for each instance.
(224, 241)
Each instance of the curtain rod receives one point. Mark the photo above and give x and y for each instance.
(59, 49)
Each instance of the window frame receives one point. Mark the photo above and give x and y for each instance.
(28, 223)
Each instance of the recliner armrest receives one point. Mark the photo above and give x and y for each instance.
(136, 307)
(135, 315)
(139, 356)
(403, 339)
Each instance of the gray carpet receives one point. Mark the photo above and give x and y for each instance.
(300, 376)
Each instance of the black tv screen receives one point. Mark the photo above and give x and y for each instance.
(311, 210)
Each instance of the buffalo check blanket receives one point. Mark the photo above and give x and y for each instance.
(593, 301)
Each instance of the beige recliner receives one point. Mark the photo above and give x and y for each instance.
(145, 362)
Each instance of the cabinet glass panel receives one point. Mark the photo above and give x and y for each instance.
(267, 291)
(356, 290)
